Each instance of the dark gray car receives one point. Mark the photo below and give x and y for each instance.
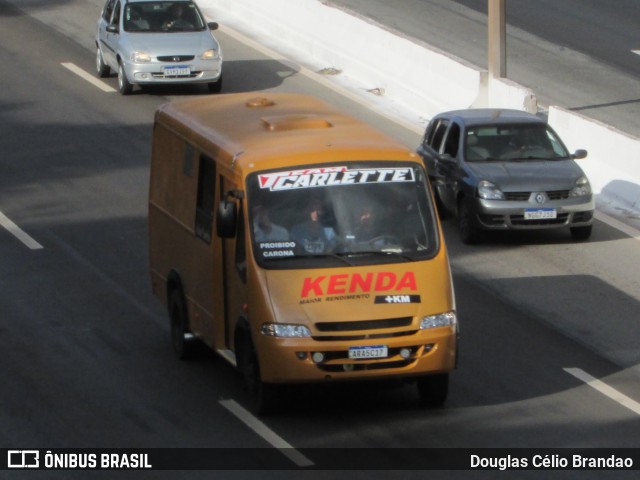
(500, 169)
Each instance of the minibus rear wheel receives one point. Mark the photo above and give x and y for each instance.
(182, 341)
(433, 389)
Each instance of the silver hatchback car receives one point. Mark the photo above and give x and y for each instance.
(157, 42)
(505, 170)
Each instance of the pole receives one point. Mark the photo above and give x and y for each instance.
(497, 39)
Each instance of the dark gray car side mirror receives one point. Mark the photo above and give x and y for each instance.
(578, 154)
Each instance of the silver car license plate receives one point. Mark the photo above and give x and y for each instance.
(177, 71)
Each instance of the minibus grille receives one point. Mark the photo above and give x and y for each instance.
(334, 338)
(363, 325)
(367, 366)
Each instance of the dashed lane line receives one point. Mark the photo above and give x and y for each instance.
(88, 77)
(17, 232)
(605, 389)
(265, 432)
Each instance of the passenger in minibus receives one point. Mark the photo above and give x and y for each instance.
(264, 230)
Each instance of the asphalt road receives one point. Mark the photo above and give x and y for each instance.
(577, 54)
(86, 354)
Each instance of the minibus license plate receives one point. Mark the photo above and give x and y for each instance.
(377, 351)
(177, 71)
(539, 213)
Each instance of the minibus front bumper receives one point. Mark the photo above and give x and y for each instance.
(318, 359)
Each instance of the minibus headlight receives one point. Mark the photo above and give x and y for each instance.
(210, 54)
(440, 320)
(140, 57)
(285, 330)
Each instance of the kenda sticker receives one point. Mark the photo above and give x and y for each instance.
(333, 176)
(356, 286)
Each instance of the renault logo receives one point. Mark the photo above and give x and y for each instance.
(540, 198)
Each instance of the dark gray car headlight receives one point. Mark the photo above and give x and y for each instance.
(581, 188)
(488, 191)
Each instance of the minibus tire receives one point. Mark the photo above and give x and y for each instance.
(183, 347)
(433, 389)
(264, 396)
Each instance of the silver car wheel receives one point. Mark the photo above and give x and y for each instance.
(101, 68)
(124, 86)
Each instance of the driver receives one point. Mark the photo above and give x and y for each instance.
(177, 19)
(367, 228)
(310, 235)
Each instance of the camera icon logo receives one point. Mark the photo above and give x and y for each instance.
(23, 459)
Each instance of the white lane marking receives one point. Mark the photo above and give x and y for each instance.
(637, 52)
(88, 77)
(17, 232)
(605, 389)
(265, 432)
(617, 224)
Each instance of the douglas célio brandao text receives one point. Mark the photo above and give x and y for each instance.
(550, 461)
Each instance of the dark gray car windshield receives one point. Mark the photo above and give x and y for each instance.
(346, 214)
(154, 17)
(517, 142)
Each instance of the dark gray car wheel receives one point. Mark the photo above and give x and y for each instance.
(581, 233)
(469, 232)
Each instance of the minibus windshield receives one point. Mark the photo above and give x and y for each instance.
(349, 213)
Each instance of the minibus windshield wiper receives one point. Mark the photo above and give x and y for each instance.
(379, 253)
(337, 256)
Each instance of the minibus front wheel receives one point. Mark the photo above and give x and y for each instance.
(265, 396)
(433, 389)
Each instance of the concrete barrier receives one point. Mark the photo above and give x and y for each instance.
(423, 79)
(613, 163)
(426, 80)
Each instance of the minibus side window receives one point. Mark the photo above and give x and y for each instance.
(206, 196)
